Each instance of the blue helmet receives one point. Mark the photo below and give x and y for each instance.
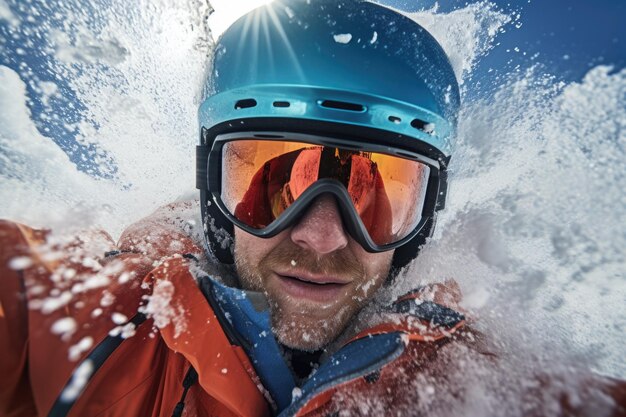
(329, 67)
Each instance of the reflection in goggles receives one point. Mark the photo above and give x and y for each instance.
(261, 179)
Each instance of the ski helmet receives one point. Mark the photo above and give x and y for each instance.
(344, 68)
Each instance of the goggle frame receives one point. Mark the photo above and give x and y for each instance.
(350, 218)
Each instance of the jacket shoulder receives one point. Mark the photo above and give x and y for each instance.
(172, 229)
(61, 295)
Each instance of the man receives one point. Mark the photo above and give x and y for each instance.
(325, 141)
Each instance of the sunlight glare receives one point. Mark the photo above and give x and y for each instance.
(226, 12)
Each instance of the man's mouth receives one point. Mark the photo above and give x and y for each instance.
(314, 288)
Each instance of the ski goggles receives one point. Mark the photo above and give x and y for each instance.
(264, 182)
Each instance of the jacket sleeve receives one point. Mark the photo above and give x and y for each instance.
(617, 391)
(60, 296)
(593, 395)
(15, 393)
(35, 282)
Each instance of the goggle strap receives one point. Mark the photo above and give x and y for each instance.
(443, 190)
(202, 156)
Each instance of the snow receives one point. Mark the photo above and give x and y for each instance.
(68, 274)
(162, 310)
(64, 327)
(88, 49)
(49, 90)
(76, 351)
(107, 299)
(374, 38)
(466, 34)
(296, 393)
(366, 286)
(77, 383)
(53, 303)
(95, 281)
(533, 230)
(7, 15)
(530, 229)
(476, 299)
(344, 38)
(124, 277)
(118, 318)
(31, 161)
(126, 100)
(20, 262)
(125, 331)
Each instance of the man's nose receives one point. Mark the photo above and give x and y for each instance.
(321, 229)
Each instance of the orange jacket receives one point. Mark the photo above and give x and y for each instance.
(138, 322)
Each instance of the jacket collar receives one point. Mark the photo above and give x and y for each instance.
(244, 316)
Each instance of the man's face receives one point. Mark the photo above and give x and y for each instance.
(314, 275)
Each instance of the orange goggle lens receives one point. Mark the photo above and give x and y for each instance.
(262, 178)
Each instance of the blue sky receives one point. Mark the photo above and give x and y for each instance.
(570, 36)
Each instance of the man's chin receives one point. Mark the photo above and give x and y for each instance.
(305, 333)
(308, 341)
(293, 342)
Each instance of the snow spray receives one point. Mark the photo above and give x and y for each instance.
(98, 128)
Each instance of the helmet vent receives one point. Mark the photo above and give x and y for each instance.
(282, 104)
(425, 127)
(342, 105)
(395, 119)
(245, 104)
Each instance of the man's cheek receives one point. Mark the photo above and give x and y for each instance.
(368, 287)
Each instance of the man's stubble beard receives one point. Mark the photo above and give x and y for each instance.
(302, 330)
